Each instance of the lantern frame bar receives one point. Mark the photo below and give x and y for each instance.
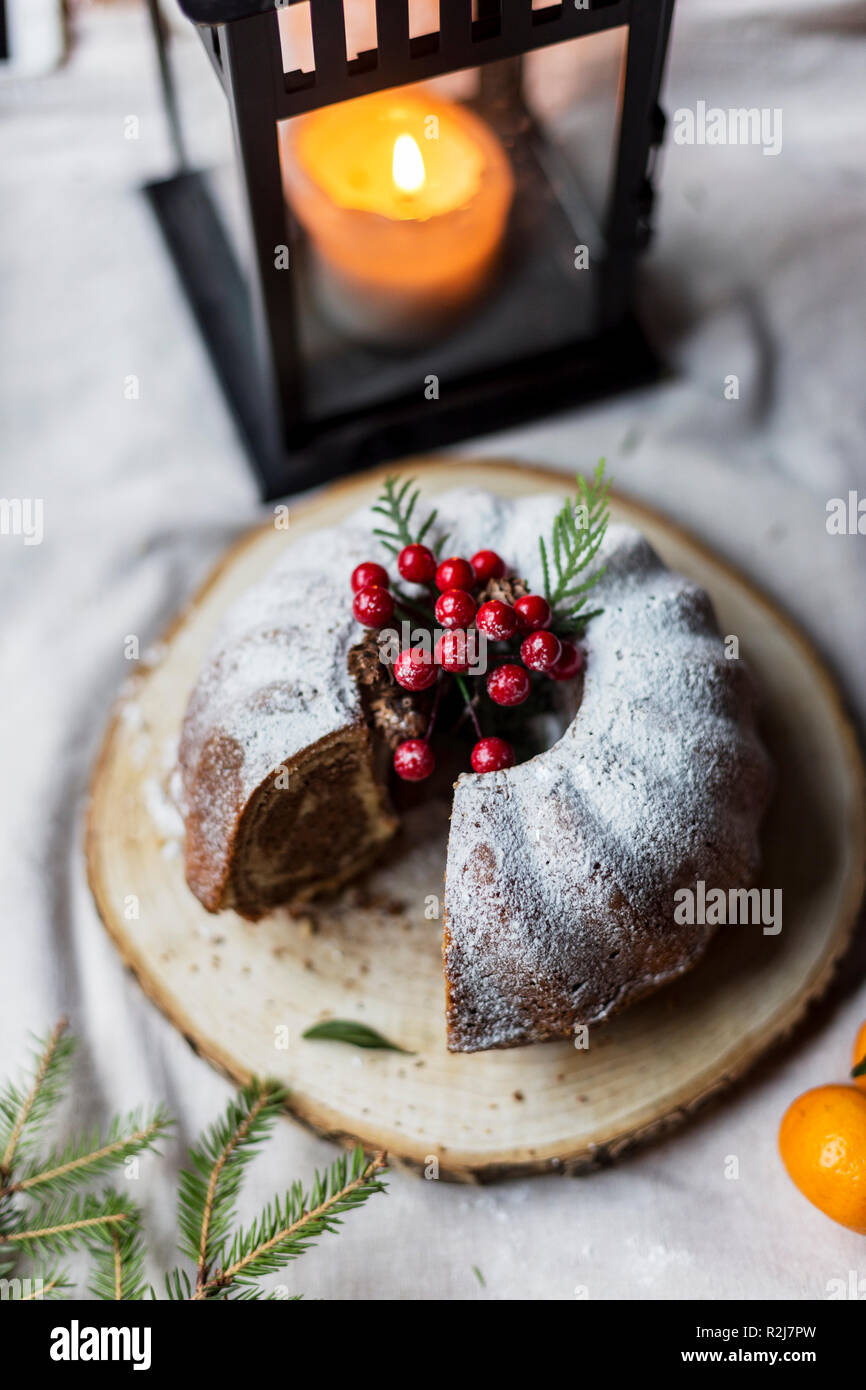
(399, 60)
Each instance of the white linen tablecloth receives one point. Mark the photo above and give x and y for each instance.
(758, 269)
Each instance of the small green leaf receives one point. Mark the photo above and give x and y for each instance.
(357, 1034)
(860, 1069)
(479, 1276)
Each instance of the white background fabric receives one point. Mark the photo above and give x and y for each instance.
(758, 269)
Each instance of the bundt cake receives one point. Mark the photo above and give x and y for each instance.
(561, 870)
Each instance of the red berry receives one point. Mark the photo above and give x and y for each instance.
(492, 755)
(373, 606)
(414, 669)
(569, 663)
(540, 650)
(417, 564)
(533, 612)
(455, 608)
(414, 760)
(453, 652)
(369, 573)
(486, 564)
(497, 620)
(508, 684)
(454, 574)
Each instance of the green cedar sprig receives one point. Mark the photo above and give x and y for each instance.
(578, 530)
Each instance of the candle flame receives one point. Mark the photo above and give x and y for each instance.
(408, 165)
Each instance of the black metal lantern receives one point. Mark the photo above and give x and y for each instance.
(555, 327)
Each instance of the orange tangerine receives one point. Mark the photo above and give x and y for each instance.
(859, 1055)
(822, 1140)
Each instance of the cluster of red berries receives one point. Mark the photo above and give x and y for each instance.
(456, 610)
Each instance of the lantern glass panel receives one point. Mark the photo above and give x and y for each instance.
(555, 112)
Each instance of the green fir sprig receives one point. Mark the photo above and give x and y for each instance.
(24, 1110)
(209, 1188)
(57, 1226)
(578, 531)
(118, 1262)
(47, 1209)
(90, 1156)
(285, 1229)
(397, 503)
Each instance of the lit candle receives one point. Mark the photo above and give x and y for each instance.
(404, 198)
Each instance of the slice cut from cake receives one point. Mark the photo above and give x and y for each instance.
(282, 783)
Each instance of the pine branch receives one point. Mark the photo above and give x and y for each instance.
(396, 503)
(119, 1267)
(22, 1112)
(63, 1226)
(285, 1230)
(209, 1189)
(42, 1213)
(571, 549)
(87, 1158)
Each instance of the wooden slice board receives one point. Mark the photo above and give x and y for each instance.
(244, 993)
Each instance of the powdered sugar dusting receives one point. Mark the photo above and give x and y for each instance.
(560, 871)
